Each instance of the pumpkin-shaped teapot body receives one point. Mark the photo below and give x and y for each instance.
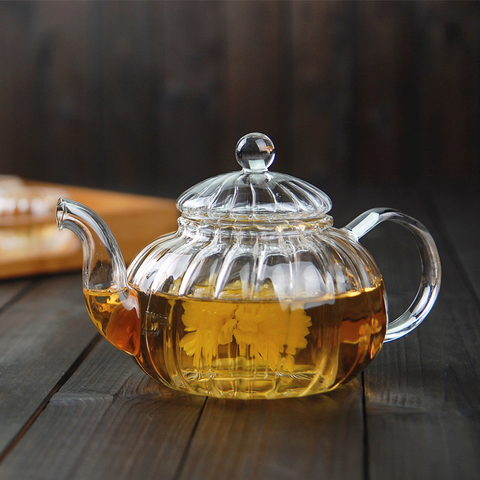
(256, 295)
(258, 312)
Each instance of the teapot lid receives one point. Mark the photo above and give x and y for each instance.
(254, 193)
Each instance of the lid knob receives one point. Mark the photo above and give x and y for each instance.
(255, 152)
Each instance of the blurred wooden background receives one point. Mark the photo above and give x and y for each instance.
(151, 97)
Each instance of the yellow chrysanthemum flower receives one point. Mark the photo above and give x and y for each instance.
(267, 332)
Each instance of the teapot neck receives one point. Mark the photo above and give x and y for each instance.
(208, 226)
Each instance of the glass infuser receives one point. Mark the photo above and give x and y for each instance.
(256, 295)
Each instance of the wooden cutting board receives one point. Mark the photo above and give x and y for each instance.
(135, 221)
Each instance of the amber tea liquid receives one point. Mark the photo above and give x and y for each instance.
(261, 349)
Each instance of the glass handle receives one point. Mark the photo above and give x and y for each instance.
(431, 269)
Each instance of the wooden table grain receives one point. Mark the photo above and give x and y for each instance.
(72, 407)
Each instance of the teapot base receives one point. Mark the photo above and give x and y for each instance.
(221, 384)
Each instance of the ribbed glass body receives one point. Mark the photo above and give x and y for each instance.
(257, 310)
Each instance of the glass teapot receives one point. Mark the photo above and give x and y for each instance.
(256, 295)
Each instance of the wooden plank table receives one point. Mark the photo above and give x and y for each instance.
(73, 407)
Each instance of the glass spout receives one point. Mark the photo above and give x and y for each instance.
(111, 303)
(103, 264)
